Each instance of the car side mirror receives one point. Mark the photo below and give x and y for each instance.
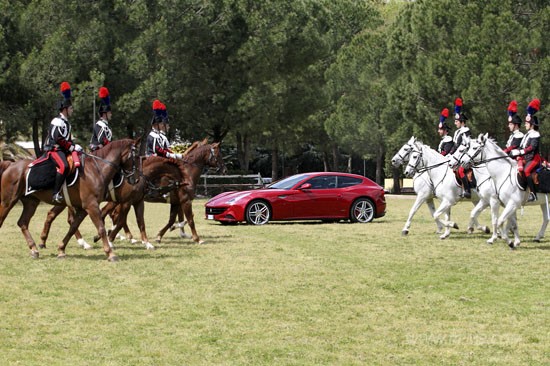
(305, 186)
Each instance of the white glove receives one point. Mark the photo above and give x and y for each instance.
(78, 148)
(174, 156)
(515, 153)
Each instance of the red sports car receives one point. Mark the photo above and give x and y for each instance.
(308, 196)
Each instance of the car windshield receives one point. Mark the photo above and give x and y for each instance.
(289, 182)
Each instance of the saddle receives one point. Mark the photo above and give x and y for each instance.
(42, 171)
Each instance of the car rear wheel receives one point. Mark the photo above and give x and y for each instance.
(362, 210)
(258, 213)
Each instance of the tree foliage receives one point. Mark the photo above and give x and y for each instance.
(284, 76)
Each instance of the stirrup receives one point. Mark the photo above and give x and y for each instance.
(532, 197)
(57, 198)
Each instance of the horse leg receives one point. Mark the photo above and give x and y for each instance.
(29, 208)
(544, 208)
(181, 224)
(120, 218)
(474, 224)
(495, 206)
(77, 235)
(50, 217)
(417, 203)
(174, 208)
(95, 214)
(106, 211)
(431, 207)
(188, 210)
(445, 208)
(508, 210)
(139, 210)
(77, 218)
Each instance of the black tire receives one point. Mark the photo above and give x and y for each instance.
(257, 212)
(362, 210)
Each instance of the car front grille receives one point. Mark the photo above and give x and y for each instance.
(214, 210)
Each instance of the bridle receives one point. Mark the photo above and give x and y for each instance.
(133, 175)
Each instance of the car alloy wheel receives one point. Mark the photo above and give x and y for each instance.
(258, 213)
(362, 210)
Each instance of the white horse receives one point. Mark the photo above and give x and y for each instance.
(486, 190)
(504, 172)
(433, 178)
(402, 157)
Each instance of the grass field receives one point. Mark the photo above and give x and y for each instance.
(281, 294)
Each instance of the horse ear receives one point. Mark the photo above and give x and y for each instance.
(411, 140)
(204, 141)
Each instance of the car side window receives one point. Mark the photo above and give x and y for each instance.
(344, 182)
(323, 182)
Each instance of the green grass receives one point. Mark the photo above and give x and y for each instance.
(282, 294)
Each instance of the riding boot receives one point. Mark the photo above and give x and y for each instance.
(533, 193)
(467, 193)
(57, 197)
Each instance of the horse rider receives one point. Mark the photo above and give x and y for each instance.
(102, 134)
(59, 141)
(529, 147)
(157, 141)
(461, 131)
(446, 144)
(514, 123)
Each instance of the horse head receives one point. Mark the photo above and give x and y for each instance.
(415, 162)
(215, 160)
(404, 152)
(456, 159)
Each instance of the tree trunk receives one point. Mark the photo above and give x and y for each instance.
(275, 162)
(380, 165)
(335, 159)
(243, 151)
(35, 138)
(396, 182)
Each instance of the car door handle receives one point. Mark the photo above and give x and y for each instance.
(283, 196)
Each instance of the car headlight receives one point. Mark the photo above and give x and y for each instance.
(236, 199)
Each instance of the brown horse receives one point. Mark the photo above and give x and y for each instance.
(85, 195)
(181, 197)
(155, 170)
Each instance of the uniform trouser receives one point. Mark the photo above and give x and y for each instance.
(530, 168)
(62, 168)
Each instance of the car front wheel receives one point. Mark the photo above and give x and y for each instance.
(362, 210)
(258, 213)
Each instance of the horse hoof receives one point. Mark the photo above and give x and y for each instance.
(42, 246)
(149, 246)
(202, 242)
(470, 230)
(158, 240)
(113, 258)
(455, 226)
(405, 232)
(487, 230)
(96, 238)
(61, 256)
(133, 241)
(536, 240)
(35, 254)
(490, 242)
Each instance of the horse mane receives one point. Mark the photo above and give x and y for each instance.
(433, 154)
(190, 148)
(104, 151)
(495, 146)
